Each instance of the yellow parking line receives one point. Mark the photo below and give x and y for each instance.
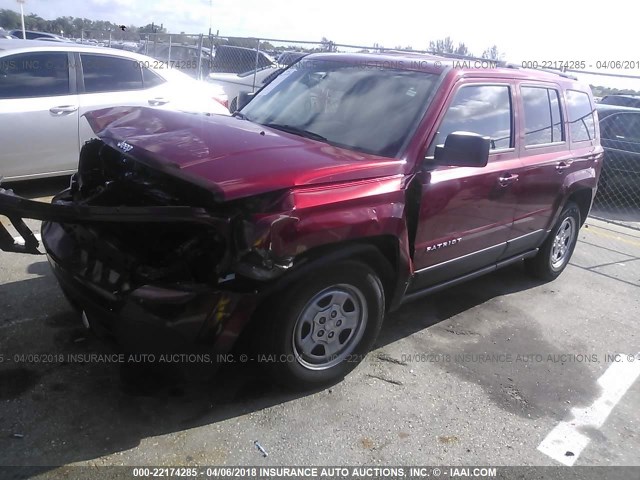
(593, 229)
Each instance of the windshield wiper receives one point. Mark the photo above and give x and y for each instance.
(239, 114)
(296, 131)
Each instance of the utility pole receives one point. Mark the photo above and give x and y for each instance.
(210, 16)
(24, 32)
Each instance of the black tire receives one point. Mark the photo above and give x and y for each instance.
(293, 365)
(71, 300)
(556, 251)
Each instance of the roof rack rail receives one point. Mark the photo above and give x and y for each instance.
(560, 73)
(547, 70)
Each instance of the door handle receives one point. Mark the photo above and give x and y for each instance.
(62, 109)
(562, 166)
(158, 101)
(508, 179)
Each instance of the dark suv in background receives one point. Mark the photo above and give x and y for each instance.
(231, 59)
(621, 100)
(349, 185)
(620, 132)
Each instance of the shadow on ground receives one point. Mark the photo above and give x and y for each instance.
(59, 412)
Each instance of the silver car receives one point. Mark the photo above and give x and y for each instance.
(45, 89)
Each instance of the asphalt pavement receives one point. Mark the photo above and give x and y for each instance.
(502, 370)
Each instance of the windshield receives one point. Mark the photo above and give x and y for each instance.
(361, 107)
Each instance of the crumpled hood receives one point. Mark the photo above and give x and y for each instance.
(235, 157)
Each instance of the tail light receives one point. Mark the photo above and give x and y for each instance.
(222, 101)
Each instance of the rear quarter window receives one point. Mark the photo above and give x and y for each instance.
(581, 119)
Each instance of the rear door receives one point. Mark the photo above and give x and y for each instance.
(558, 139)
(38, 115)
(466, 213)
(109, 80)
(546, 161)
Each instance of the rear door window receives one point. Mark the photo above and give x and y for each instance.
(542, 117)
(580, 111)
(30, 75)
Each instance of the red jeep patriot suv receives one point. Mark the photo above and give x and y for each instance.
(349, 185)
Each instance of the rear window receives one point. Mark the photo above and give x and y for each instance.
(542, 117)
(238, 60)
(623, 127)
(580, 111)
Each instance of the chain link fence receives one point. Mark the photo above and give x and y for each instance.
(618, 199)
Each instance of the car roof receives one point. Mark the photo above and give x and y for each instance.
(624, 95)
(472, 67)
(233, 47)
(178, 45)
(605, 110)
(26, 46)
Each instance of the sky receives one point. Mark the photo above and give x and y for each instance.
(544, 30)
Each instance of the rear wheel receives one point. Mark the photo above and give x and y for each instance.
(321, 329)
(72, 301)
(556, 251)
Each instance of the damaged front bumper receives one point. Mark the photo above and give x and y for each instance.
(148, 254)
(144, 307)
(162, 306)
(63, 210)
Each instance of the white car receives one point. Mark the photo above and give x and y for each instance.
(235, 83)
(235, 71)
(252, 80)
(46, 88)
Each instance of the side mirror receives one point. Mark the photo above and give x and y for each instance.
(463, 149)
(243, 99)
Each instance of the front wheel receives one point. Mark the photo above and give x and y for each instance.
(321, 329)
(557, 249)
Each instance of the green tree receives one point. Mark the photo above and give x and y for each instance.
(492, 53)
(400, 47)
(9, 19)
(462, 50)
(152, 28)
(327, 45)
(447, 46)
(34, 22)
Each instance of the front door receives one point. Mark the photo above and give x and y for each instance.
(466, 213)
(38, 115)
